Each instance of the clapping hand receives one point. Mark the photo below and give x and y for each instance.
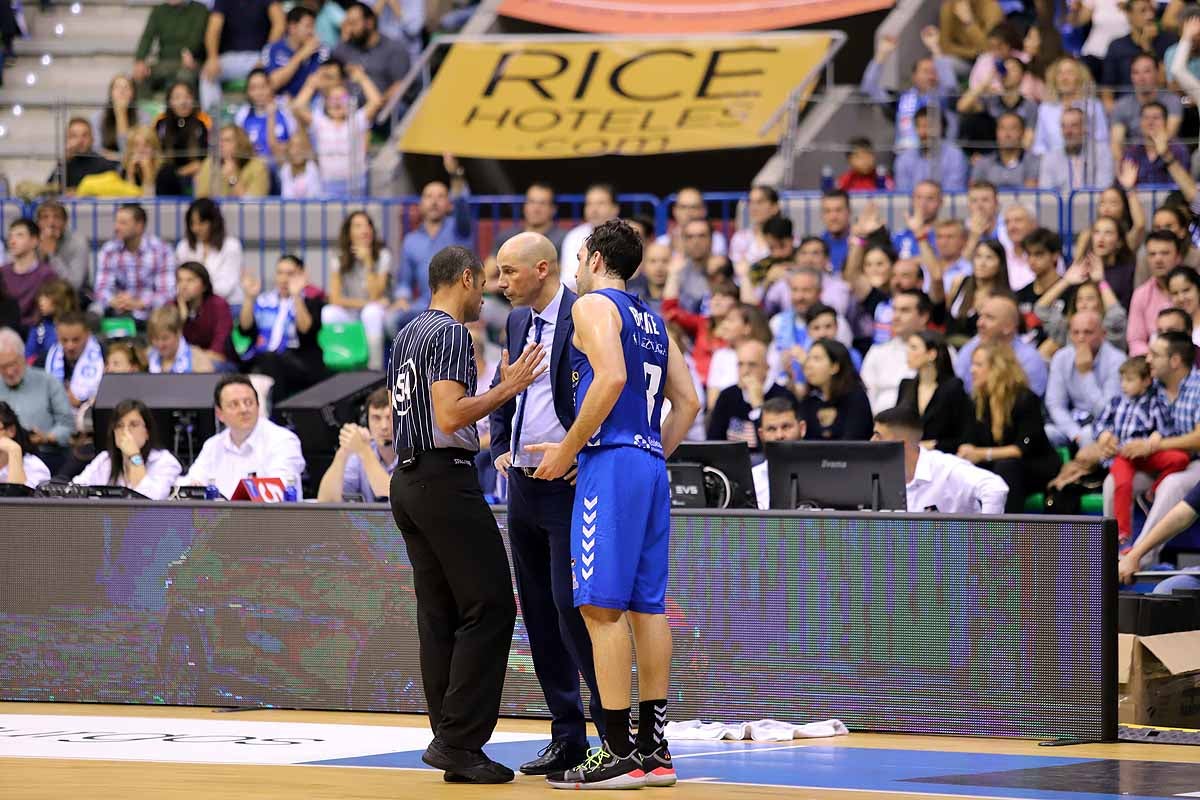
(868, 221)
(1127, 176)
(354, 439)
(251, 285)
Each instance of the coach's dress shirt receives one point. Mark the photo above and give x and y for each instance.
(953, 485)
(270, 451)
(539, 421)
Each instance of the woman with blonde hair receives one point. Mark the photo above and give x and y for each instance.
(240, 173)
(1008, 435)
(143, 159)
(1069, 84)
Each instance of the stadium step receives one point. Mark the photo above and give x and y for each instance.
(74, 74)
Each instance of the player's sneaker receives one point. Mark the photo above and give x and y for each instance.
(658, 766)
(602, 770)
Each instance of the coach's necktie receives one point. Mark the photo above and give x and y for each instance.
(538, 324)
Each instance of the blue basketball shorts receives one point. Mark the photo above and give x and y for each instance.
(620, 530)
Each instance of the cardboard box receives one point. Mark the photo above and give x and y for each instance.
(1159, 679)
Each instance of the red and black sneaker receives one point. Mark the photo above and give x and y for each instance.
(658, 766)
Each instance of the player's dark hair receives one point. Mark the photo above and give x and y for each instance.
(449, 263)
(618, 245)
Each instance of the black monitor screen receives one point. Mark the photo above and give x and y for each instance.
(846, 476)
(728, 482)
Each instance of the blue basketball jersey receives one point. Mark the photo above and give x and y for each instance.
(635, 419)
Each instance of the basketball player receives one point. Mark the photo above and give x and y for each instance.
(626, 364)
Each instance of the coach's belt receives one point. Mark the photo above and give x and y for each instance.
(528, 472)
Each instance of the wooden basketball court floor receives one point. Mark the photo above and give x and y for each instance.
(861, 766)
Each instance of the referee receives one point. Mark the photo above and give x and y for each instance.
(465, 608)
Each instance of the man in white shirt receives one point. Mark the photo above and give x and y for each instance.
(599, 206)
(778, 423)
(248, 443)
(886, 364)
(937, 481)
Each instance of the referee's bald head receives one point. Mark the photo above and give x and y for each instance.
(447, 266)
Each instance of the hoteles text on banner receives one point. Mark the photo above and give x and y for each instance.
(572, 97)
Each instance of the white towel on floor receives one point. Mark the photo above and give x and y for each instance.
(763, 730)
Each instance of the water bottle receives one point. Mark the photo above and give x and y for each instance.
(290, 493)
(826, 178)
(211, 492)
(881, 177)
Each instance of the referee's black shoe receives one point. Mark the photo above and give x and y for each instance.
(558, 756)
(465, 766)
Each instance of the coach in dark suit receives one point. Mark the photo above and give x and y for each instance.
(539, 512)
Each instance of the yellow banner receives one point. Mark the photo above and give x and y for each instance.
(537, 98)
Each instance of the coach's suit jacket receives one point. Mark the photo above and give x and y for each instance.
(519, 322)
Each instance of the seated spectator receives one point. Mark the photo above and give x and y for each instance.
(384, 61)
(365, 458)
(1011, 167)
(18, 464)
(537, 216)
(1119, 202)
(925, 206)
(689, 206)
(874, 283)
(863, 173)
(82, 159)
(935, 394)
(1080, 163)
(967, 298)
(290, 60)
(1103, 21)
(835, 405)
(358, 279)
(789, 327)
(1083, 376)
(599, 206)
(813, 254)
(1004, 92)
(778, 422)
(123, 358)
(183, 131)
(1068, 85)
(169, 351)
(176, 29)
(689, 280)
(933, 82)
(410, 284)
(266, 121)
(135, 271)
(1126, 117)
(702, 329)
(998, 321)
(1109, 245)
(207, 243)
(886, 364)
(248, 444)
(234, 38)
(25, 272)
(339, 133)
(1087, 294)
(1019, 222)
(39, 400)
(1177, 220)
(1183, 286)
(990, 71)
(935, 480)
(1178, 519)
(207, 319)
(132, 457)
(749, 244)
(143, 160)
(820, 322)
(835, 218)
(934, 158)
(65, 250)
(54, 297)
(240, 173)
(738, 408)
(1043, 251)
(951, 237)
(76, 358)
(1159, 159)
(1007, 436)
(282, 325)
(113, 123)
(299, 175)
(650, 281)
(1144, 37)
(964, 25)
(741, 323)
(1162, 257)
(758, 281)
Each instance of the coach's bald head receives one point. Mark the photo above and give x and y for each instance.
(528, 266)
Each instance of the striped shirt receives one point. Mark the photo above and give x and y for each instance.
(1137, 417)
(147, 273)
(433, 347)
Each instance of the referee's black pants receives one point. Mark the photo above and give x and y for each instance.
(465, 607)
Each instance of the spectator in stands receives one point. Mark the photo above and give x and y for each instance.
(1162, 256)
(1120, 203)
(925, 207)
(1080, 163)
(1104, 21)
(951, 238)
(39, 400)
(650, 282)
(135, 270)
(169, 351)
(1183, 69)
(143, 160)
(998, 321)
(863, 173)
(990, 70)
(820, 322)
(1088, 294)
(875, 275)
(82, 159)
(290, 60)
(1159, 160)
(835, 218)
(537, 216)
(599, 206)
(76, 358)
(759, 282)
(813, 253)
(114, 122)
(789, 326)
(54, 297)
(1043, 250)
(358, 280)
(835, 405)
(1172, 319)
(249, 443)
(207, 320)
(340, 134)
(183, 131)
(933, 82)
(18, 464)
(239, 173)
(964, 27)
(65, 250)
(234, 38)
(1144, 37)
(933, 159)
(1007, 436)
(299, 175)
(741, 323)
(700, 327)
(935, 393)
(689, 206)
(25, 272)
(282, 325)
(1109, 245)
(1127, 112)
(1019, 222)
(1083, 376)
(1176, 220)
(886, 365)
(176, 27)
(1180, 518)
(207, 243)
(1068, 85)
(267, 122)
(982, 105)
(1183, 284)
(365, 458)
(385, 61)
(935, 480)
(988, 278)
(738, 408)
(132, 457)
(749, 244)
(695, 275)
(779, 422)
(1011, 167)
(410, 285)
(123, 358)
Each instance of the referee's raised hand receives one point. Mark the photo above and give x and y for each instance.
(525, 370)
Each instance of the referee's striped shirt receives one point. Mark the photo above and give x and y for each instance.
(433, 347)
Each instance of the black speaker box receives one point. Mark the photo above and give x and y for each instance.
(182, 406)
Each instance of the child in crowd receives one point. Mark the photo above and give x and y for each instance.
(123, 358)
(339, 131)
(169, 351)
(863, 173)
(53, 297)
(299, 176)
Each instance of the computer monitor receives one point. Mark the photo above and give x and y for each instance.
(844, 476)
(728, 482)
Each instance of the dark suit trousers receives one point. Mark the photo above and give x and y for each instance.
(539, 531)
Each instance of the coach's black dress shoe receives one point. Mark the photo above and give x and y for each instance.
(465, 766)
(555, 757)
